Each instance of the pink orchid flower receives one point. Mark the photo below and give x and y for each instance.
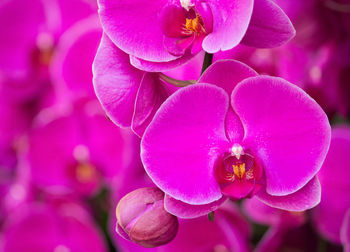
(44, 227)
(269, 140)
(78, 150)
(164, 34)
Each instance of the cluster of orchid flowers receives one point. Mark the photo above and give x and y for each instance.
(182, 125)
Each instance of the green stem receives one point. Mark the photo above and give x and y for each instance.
(322, 245)
(175, 82)
(211, 216)
(208, 59)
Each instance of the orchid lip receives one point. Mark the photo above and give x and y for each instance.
(198, 19)
(185, 26)
(238, 173)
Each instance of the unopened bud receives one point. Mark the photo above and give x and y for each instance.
(141, 218)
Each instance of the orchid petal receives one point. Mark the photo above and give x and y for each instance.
(182, 143)
(285, 128)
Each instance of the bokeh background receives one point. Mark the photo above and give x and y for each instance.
(64, 165)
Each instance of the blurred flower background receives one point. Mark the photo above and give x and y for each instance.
(64, 164)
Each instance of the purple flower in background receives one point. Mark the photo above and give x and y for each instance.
(15, 187)
(282, 224)
(77, 150)
(314, 59)
(24, 49)
(329, 215)
(205, 118)
(15, 122)
(32, 30)
(273, 217)
(269, 141)
(322, 73)
(70, 68)
(228, 232)
(164, 34)
(21, 33)
(44, 227)
(345, 232)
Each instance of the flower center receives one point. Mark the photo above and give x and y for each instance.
(85, 172)
(44, 49)
(195, 25)
(238, 173)
(239, 170)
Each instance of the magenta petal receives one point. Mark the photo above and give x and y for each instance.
(109, 145)
(44, 227)
(227, 74)
(334, 177)
(172, 20)
(261, 213)
(207, 16)
(197, 45)
(181, 144)
(230, 23)
(135, 28)
(233, 126)
(239, 190)
(307, 197)
(345, 232)
(116, 82)
(178, 46)
(229, 232)
(63, 14)
(269, 26)
(150, 66)
(21, 21)
(151, 94)
(189, 71)
(187, 211)
(286, 129)
(57, 155)
(71, 64)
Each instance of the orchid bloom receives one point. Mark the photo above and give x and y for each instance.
(32, 30)
(51, 227)
(330, 214)
(269, 141)
(164, 34)
(70, 68)
(77, 150)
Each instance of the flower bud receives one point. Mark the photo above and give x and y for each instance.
(141, 218)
